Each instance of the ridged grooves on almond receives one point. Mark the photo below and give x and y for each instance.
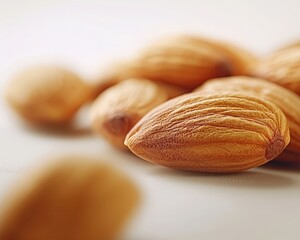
(285, 99)
(282, 68)
(211, 133)
(182, 64)
(120, 107)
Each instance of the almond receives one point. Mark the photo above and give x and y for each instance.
(285, 99)
(282, 68)
(185, 61)
(239, 58)
(184, 64)
(120, 107)
(71, 198)
(49, 95)
(211, 133)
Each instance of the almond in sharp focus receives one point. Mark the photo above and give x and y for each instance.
(75, 198)
(282, 68)
(285, 99)
(47, 95)
(211, 133)
(120, 107)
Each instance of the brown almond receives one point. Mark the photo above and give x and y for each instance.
(185, 61)
(186, 65)
(71, 198)
(211, 133)
(285, 99)
(47, 95)
(239, 58)
(120, 107)
(282, 68)
(183, 64)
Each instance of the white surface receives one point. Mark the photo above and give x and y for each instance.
(259, 204)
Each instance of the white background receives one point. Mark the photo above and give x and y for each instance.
(86, 36)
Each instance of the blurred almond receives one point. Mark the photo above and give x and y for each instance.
(282, 68)
(72, 198)
(185, 61)
(183, 64)
(47, 95)
(120, 107)
(239, 58)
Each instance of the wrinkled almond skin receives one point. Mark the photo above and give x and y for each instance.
(282, 68)
(211, 133)
(240, 59)
(285, 99)
(120, 107)
(47, 95)
(74, 198)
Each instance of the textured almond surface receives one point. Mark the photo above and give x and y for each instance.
(239, 58)
(211, 133)
(76, 198)
(282, 68)
(47, 94)
(287, 100)
(120, 107)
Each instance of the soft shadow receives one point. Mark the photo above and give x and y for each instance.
(249, 179)
(287, 167)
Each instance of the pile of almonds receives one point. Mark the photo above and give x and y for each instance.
(185, 102)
